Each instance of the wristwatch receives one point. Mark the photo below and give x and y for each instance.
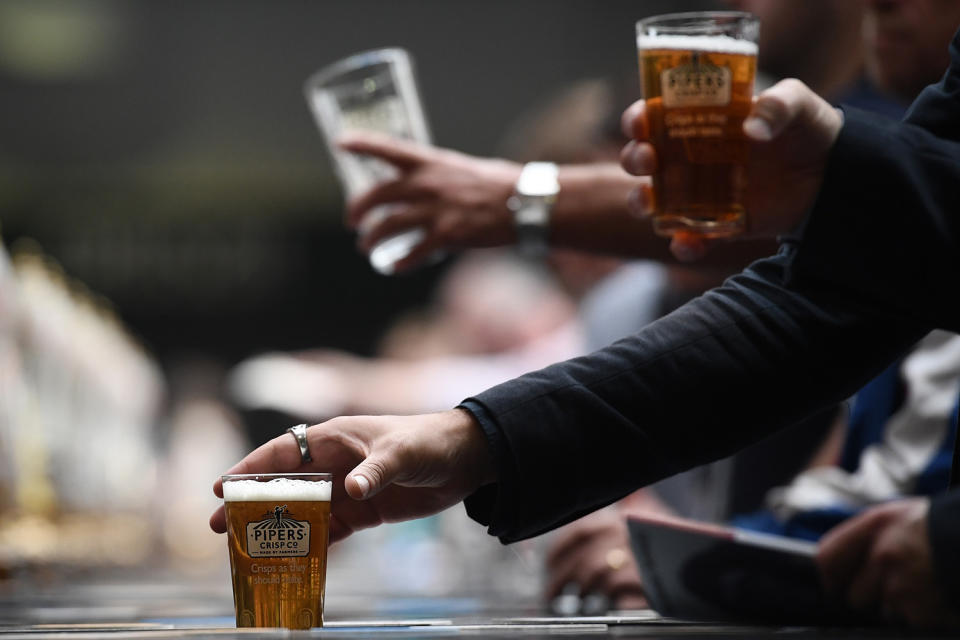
(531, 203)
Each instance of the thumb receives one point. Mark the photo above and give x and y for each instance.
(372, 476)
(777, 108)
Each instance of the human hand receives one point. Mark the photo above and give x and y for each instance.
(594, 554)
(385, 468)
(459, 201)
(879, 563)
(792, 130)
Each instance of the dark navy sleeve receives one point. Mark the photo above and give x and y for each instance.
(717, 374)
(886, 225)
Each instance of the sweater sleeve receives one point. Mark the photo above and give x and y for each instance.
(886, 224)
(717, 374)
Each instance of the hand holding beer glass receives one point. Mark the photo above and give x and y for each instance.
(277, 531)
(697, 73)
(374, 91)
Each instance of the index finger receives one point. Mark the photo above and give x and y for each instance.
(279, 455)
(633, 122)
(218, 521)
(397, 151)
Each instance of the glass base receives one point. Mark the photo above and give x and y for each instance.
(723, 226)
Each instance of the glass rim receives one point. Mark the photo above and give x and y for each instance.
(230, 477)
(676, 19)
(351, 63)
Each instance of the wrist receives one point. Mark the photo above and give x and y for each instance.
(473, 450)
(532, 203)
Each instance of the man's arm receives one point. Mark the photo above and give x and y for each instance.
(460, 201)
(712, 377)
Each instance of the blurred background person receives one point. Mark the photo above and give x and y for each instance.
(496, 316)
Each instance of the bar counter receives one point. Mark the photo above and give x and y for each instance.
(164, 604)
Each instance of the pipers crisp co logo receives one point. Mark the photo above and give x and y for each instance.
(278, 535)
(696, 84)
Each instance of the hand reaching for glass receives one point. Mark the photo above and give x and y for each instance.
(385, 468)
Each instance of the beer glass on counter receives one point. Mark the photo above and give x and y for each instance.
(373, 91)
(277, 532)
(697, 73)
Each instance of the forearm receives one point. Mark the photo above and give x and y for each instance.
(591, 214)
(719, 373)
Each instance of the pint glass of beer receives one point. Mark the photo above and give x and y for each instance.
(277, 531)
(373, 91)
(697, 72)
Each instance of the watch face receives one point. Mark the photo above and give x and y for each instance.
(540, 191)
(538, 179)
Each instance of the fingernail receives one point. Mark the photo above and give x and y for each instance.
(363, 483)
(758, 129)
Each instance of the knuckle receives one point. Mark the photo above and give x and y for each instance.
(375, 470)
(886, 554)
(774, 107)
(793, 84)
(446, 227)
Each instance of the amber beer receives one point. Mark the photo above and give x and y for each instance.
(277, 532)
(697, 72)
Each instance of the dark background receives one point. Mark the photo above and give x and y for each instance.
(163, 153)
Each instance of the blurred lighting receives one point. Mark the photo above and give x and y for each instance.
(52, 40)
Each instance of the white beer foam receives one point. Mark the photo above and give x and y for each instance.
(716, 44)
(276, 489)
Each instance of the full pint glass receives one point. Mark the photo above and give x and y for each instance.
(277, 531)
(697, 72)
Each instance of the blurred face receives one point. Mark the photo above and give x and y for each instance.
(789, 28)
(783, 27)
(907, 41)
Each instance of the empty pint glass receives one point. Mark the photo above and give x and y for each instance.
(371, 91)
(277, 531)
(697, 72)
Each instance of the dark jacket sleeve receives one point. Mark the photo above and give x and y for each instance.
(886, 226)
(717, 374)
